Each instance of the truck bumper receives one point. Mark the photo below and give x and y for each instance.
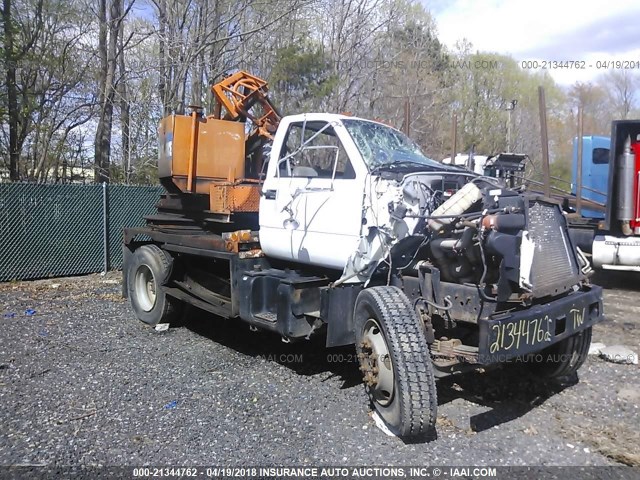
(520, 333)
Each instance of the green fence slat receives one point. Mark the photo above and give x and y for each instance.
(127, 206)
(57, 230)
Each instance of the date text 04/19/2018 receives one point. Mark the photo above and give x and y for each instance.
(370, 472)
(580, 64)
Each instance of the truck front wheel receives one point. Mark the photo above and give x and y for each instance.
(564, 358)
(149, 269)
(395, 361)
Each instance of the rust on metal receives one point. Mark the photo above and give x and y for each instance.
(368, 363)
(448, 352)
(237, 94)
(209, 156)
(253, 253)
(244, 242)
(207, 241)
(226, 197)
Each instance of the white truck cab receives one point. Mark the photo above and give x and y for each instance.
(312, 196)
(323, 192)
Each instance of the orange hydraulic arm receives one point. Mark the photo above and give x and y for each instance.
(241, 96)
(213, 155)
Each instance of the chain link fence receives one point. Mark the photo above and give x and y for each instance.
(59, 230)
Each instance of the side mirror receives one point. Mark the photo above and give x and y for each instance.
(290, 223)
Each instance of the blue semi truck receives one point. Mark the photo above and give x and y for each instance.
(610, 179)
(595, 172)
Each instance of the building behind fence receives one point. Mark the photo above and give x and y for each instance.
(57, 230)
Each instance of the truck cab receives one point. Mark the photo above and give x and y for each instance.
(312, 197)
(595, 171)
(611, 180)
(332, 179)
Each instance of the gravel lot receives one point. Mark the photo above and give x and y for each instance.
(82, 382)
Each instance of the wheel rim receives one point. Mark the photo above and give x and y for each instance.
(376, 364)
(145, 288)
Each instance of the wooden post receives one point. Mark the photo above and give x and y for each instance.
(545, 142)
(579, 166)
(407, 116)
(454, 138)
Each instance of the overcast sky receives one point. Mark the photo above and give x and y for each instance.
(545, 30)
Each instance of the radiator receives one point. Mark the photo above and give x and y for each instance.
(555, 269)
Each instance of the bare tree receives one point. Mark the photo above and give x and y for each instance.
(125, 108)
(205, 39)
(15, 51)
(77, 69)
(109, 32)
(622, 88)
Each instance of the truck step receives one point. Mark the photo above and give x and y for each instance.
(267, 316)
(290, 277)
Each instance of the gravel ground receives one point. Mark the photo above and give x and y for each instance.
(82, 382)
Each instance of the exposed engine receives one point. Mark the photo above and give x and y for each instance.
(511, 245)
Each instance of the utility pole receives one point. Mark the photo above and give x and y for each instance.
(407, 117)
(579, 166)
(454, 138)
(510, 108)
(544, 140)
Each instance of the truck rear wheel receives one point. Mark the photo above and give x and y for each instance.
(149, 269)
(564, 358)
(395, 362)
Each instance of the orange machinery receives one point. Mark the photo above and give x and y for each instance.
(217, 155)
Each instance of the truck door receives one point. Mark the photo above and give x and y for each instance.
(311, 209)
(595, 171)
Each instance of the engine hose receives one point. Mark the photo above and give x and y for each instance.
(447, 299)
(466, 239)
(484, 274)
(461, 215)
(446, 267)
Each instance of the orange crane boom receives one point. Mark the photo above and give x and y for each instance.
(216, 155)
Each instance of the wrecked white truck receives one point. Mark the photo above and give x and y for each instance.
(329, 224)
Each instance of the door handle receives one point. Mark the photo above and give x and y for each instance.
(270, 194)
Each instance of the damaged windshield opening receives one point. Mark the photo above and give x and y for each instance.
(382, 146)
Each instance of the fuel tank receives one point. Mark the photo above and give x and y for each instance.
(616, 252)
(218, 147)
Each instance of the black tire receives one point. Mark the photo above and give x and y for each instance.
(410, 410)
(150, 268)
(563, 359)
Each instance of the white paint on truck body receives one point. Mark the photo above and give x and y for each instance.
(328, 211)
(324, 204)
